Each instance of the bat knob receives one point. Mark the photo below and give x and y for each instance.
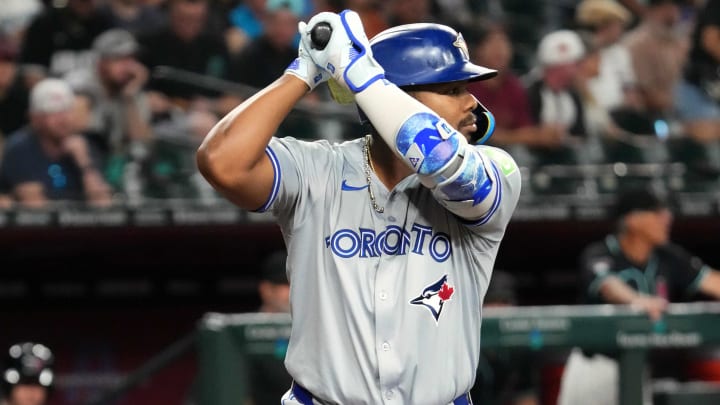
(320, 35)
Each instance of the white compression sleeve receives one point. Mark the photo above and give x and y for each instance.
(388, 107)
(426, 142)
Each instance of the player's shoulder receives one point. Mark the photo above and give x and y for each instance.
(315, 144)
(503, 160)
(673, 251)
(319, 150)
(597, 259)
(597, 249)
(19, 141)
(292, 142)
(494, 151)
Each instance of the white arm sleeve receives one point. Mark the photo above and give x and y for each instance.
(427, 143)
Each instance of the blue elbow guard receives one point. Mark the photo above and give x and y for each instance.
(469, 192)
(428, 143)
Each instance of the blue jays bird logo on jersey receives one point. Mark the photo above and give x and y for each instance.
(434, 296)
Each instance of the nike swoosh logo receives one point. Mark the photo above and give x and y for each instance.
(347, 187)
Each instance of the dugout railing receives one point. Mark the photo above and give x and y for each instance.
(226, 341)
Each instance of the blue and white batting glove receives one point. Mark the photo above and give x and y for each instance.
(347, 56)
(304, 68)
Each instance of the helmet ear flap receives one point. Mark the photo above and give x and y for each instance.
(485, 125)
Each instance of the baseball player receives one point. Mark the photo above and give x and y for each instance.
(392, 237)
(27, 374)
(637, 265)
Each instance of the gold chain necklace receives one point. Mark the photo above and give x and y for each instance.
(368, 173)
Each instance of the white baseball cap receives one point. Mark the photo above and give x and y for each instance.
(115, 43)
(560, 47)
(51, 95)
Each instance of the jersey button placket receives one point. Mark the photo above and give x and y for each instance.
(391, 197)
(385, 330)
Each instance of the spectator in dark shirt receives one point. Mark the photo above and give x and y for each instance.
(187, 44)
(60, 39)
(48, 160)
(135, 16)
(13, 91)
(246, 23)
(267, 56)
(697, 96)
(196, 60)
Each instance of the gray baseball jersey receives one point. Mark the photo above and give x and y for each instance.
(386, 307)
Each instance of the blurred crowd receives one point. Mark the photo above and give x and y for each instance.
(105, 101)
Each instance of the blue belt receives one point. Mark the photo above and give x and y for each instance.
(305, 397)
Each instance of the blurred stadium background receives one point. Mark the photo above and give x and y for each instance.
(120, 290)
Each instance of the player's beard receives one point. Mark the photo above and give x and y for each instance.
(465, 126)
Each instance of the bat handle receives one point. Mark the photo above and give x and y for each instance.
(320, 35)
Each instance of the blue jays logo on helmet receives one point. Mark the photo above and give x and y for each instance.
(434, 297)
(460, 43)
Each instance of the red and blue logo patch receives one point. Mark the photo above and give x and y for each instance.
(434, 296)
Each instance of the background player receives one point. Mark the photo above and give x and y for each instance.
(27, 374)
(391, 238)
(640, 266)
(268, 377)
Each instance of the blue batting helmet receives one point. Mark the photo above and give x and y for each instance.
(427, 53)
